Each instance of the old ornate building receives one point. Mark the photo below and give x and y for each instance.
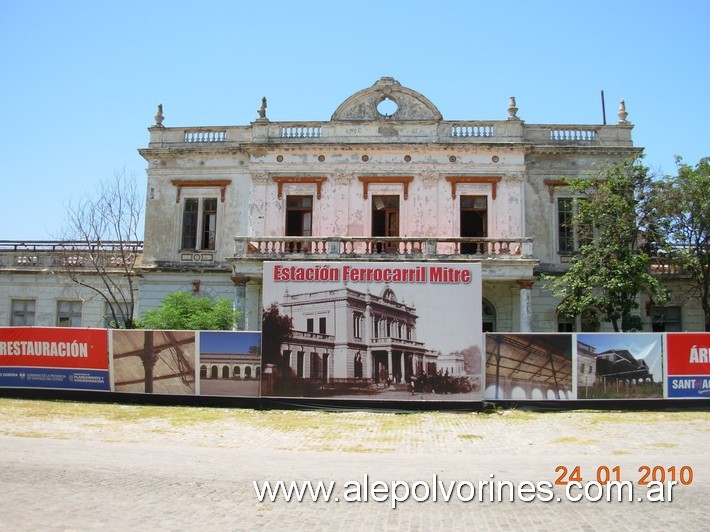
(386, 178)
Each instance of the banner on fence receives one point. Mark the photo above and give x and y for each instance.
(372, 330)
(529, 366)
(619, 365)
(688, 365)
(147, 361)
(230, 363)
(52, 357)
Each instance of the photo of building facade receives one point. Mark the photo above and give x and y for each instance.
(229, 363)
(365, 337)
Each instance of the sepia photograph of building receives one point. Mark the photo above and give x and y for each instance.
(373, 338)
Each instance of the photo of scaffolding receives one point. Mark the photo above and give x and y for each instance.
(529, 367)
(161, 362)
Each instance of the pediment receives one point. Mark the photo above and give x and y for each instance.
(363, 105)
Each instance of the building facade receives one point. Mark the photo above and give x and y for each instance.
(375, 186)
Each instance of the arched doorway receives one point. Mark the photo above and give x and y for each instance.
(488, 316)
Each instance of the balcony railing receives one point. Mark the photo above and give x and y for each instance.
(382, 248)
(68, 253)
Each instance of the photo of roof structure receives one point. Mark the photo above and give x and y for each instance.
(529, 366)
(615, 366)
(153, 361)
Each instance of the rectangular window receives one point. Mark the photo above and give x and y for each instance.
(565, 226)
(119, 322)
(23, 312)
(321, 325)
(666, 319)
(309, 325)
(68, 313)
(199, 224)
(474, 222)
(209, 223)
(357, 324)
(299, 215)
(570, 235)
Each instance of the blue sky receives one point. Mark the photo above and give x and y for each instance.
(228, 342)
(81, 80)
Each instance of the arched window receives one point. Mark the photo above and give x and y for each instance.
(247, 372)
(225, 372)
(203, 372)
(488, 316)
(237, 371)
(214, 372)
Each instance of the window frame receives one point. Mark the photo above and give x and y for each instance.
(24, 312)
(201, 228)
(72, 313)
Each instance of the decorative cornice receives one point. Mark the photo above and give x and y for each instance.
(456, 179)
(317, 181)
(366, 180)
(201, 183)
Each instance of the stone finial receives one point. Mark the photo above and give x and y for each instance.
(262, 109)
(622, 114)
(512, 109)
(159, 117)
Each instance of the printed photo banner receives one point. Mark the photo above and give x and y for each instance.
(619, 365)
(148, 361)
(372, 330)
(688, 362)
(230, 363)
(52, 357)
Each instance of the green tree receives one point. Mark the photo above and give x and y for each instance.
(612, 268)
(682, 208)
(274, 329)
(185, 311)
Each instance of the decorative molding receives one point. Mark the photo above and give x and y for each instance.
(201, 183)
(341, 178)
(430, 178)
(490, 180)
(552, 184)
(259, 178)
(367, 180)
(317, 181)
(525, 284)
(515, 177)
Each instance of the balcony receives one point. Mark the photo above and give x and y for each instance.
(74, 254)
(382, 248)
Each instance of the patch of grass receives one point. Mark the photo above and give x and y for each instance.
(359, 448)
(574, 440)
(470, 437)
